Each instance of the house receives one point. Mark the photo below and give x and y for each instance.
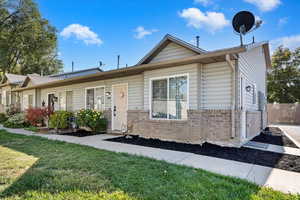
(177, 92)
(7, 84)
(23, 100)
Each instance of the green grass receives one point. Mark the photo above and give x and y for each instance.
(32, 128)
(37, 168)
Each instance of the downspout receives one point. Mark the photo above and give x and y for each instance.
(232, 67)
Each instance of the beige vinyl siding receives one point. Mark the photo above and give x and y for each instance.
(24, 98)
(172, 51)
(135, 92)
(253, 68)
(4, 95)
(191, 70)
(38, 102)
(30, 83)
(216, 86)
(69, 100)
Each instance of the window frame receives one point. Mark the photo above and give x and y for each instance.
(151, 94)
(88, 88)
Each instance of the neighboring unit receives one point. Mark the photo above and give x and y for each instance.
(177, 92)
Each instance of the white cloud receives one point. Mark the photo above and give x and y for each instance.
(291, 42)
(141, 32)
(282, 21)
(212, 21)
(265, 5)
(204, 2)
(81, 32)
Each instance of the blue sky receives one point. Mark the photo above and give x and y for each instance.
(97, 30)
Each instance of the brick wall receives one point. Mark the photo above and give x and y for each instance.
(213, 126)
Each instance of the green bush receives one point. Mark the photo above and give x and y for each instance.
(16, 121)
(92, 119)
(60, 119)
(3, 117)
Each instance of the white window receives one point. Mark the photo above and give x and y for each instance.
(95, 98)
(169, 97)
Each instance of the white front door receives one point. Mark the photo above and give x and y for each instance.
(243, 108)
(119, 107)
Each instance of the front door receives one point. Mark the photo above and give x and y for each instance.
(51, 101)
(119, 107)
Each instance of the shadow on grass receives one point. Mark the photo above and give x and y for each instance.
(70, 170)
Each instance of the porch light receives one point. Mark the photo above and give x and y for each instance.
(107, 94)
(248, 88)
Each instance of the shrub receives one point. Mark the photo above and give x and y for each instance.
(3, 117)
(60, 120)
(16, 121)
(47, 111)
(92, 119)
(12, 110)
(36, 116)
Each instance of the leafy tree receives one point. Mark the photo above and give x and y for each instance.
(284, 77)
(28, 43)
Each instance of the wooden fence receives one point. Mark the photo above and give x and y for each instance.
(283, 113)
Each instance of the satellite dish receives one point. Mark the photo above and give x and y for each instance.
(243, 22)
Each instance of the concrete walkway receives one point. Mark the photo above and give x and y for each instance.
(273, 148)
(264, 176)
(293, 132)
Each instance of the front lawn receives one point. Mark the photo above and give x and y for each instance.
(37, 168)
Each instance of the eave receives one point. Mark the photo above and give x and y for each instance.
(205, 58)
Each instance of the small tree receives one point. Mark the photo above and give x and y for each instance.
(28, 43)
(284, 77)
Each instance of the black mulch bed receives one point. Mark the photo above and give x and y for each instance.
(80, 133)
(273, 135)
(247, 155)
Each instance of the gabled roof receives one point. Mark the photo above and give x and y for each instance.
(37, 79)
(164, 42)
(13, 78)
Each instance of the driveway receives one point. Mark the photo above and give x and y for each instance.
(264, 176)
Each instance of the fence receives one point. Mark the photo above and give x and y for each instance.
(283, 113)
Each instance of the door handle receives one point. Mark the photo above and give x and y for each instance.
(115, 109)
